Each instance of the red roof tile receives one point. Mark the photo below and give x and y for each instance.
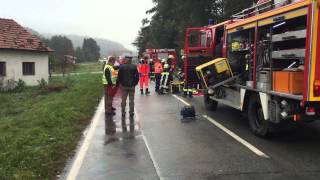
(14, 36)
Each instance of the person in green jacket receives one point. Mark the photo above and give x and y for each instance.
(109, 80)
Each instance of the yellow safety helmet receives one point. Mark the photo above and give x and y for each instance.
(235, 46)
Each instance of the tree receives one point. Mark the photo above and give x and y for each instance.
(62, 46)
(79, 54)
(141, 42)
(91, 50)
(231, 8)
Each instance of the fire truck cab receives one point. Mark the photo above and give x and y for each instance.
(202, 44)
(269, 67)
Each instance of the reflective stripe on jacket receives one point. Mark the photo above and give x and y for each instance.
(113, 75)
(190, 90)
(158, 68)
(165, 73)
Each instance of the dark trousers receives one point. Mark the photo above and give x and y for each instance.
(107, 99)
(158, 79)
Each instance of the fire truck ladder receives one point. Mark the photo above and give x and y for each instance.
(258, 9)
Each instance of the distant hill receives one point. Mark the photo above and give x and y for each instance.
(107, 47)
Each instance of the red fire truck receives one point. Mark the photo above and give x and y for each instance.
(161, 54)
(265, 62)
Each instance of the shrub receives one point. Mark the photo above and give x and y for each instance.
(20, 85)
(12, 86)
(42, 84)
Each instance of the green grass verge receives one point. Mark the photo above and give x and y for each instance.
(80, 68)
(88, 67)
(40, 129)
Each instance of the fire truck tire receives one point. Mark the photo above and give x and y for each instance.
(209, 104)
(258, 125)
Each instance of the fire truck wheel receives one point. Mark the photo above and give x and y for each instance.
(209, 103)
(259, 126)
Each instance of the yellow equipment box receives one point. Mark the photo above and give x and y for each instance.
(221, 66)
(214, 72)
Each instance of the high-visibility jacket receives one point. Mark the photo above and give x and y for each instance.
(165, 73)
(144, 69)
(193, 91)
(113, 75)
(158, 68)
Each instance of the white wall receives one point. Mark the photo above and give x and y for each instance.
(14, 61)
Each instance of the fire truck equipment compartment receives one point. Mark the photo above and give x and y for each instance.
(290, 35)
(289, 54)
(288, 82)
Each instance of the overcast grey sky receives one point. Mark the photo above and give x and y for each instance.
(117, 20)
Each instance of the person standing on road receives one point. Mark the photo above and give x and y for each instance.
(109, 80)
(171, 67)
(164, 82)
(157, 71)
(144, 71)
(151, 67)
(128, 78)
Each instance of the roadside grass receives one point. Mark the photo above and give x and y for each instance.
(80, 68)
(88, 67)
(39, 129)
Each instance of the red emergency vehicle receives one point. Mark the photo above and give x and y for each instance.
(268, 66)
(162, 54)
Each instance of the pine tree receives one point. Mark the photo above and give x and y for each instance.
(62, 46)
(91, 50)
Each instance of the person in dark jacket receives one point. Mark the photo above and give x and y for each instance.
(128, 78)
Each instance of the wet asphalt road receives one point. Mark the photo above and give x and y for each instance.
(164, 148)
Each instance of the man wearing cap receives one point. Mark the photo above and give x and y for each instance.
(128, 78)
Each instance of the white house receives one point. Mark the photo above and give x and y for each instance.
(22, 56)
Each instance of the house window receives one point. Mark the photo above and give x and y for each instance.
(28, 68)
(2, 68)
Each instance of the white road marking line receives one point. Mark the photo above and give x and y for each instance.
(73, 173)
(236, 137)
(139, 136)
(183, 101)
(155, 164)
(230, 133)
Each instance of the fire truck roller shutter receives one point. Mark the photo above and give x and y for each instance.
(286, 16)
